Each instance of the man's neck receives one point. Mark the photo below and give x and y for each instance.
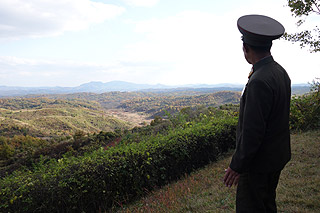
(258, 57)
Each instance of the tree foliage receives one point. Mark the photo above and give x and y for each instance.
(301, 9)
(158, 106)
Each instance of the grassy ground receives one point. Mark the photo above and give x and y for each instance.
(203, 191)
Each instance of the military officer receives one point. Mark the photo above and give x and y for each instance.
(263, 137)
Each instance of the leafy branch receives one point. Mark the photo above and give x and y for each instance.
(301, 9)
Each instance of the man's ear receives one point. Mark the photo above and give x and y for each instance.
(246, 48)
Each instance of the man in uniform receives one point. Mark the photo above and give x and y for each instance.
(263, 137)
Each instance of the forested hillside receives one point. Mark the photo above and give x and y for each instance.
(161, 105)
(111, 100)
(43, 117)
(63, 115)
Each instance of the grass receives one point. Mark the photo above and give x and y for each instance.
(59, 121)
(203, 190)
(299, 188)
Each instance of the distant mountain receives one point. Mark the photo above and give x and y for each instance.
(122, 86)
(95, 87)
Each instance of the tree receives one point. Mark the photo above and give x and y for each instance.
(301, 9)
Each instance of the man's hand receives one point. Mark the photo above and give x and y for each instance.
(231, 177)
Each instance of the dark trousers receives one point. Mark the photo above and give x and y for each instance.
(256, 192)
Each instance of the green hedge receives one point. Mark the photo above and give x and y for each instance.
(103, 178)
(305, 109)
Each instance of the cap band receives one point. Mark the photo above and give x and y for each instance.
(256, 42)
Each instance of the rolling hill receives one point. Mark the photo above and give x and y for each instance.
(64, 114)
(44, 117)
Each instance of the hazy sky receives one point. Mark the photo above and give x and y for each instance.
(172, 42)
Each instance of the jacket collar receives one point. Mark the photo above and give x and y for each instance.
(262, 62)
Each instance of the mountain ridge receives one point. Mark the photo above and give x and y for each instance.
(121, 86)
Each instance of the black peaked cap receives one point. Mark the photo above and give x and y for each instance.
(259, 30)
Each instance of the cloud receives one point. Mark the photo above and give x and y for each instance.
(197, 45)
(38, 18)
(204, 47)
(188, 47)
(16, 71)
(141, 3)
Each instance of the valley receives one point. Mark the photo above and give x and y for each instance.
(59, 115)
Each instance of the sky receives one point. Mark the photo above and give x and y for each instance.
(172, 42)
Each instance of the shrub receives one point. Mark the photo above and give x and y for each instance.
(102, 178)
(305, 110)
(6, 151)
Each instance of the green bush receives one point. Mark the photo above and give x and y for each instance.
(305, 110)
(103, 178)
(6, 151)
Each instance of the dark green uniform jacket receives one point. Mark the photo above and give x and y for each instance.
(263, 137)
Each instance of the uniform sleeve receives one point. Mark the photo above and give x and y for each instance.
(258, 103)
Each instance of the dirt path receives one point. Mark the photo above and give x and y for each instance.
(135, 118)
